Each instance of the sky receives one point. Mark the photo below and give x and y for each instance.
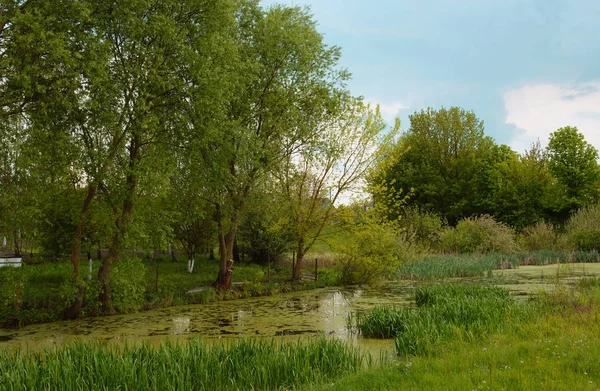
(525, 67)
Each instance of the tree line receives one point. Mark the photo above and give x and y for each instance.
(146, 124)
(445, 164)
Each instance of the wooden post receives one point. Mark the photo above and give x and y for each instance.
(293, 263)
(316, 268)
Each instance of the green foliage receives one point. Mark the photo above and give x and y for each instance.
(443, 151)
(582, 231)
(246, 364)
(265, 231)
(555, 351)
(518, 190)
(541, 236)
(127, 284)
(425, 227)
(480, 234)
(574, 163)
(446, 313)
(373, 250)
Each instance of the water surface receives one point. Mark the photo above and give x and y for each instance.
(285, 316)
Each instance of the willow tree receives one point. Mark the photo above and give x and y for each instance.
(287, 77)
(318, 174)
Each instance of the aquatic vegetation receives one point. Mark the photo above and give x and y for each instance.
(444, 313)
(243, 365)
(477, 265)
(558, 351)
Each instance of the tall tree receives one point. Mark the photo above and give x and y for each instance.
(286, 78)
(574, 163)
(443, 152)
(315, 176)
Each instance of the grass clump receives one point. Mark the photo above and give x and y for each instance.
(480, 234)
(445, 313)
(243, 365)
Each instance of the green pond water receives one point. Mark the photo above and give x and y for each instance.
(285, 316)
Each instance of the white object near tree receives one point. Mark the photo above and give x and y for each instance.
(89, 268)
(190, 265)
(4, 242)
(10, 262)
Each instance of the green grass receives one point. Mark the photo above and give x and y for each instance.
(445, 313)
(243, 365)
(477, 265)
(556, 351)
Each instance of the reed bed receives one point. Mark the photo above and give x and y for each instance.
(445, 313)
(477, 265)
(243, 365)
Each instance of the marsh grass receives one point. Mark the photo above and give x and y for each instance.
(556, 351)
(445, 313)
(243, 365)
(478, 265)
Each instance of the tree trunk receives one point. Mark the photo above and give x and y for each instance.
(300, 252)
(72, 311)
(104, 273)
(121, 221)
(17, 243)
(225, 254)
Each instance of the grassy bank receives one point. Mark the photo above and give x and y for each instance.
(244, 365)
(557, 350)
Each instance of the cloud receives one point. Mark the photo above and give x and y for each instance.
(540, 109)
(389, 111)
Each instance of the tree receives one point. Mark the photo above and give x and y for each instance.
(286, 77)
(315, 176)
(574, 163)
(442, 153)
(521, 188)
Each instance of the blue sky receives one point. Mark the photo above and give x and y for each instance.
(526, 67)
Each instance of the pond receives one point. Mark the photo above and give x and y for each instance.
(287, 316)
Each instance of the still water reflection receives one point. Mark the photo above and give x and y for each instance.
(286, 316)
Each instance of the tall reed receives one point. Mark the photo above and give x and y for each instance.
(445, 312)
(243, 365)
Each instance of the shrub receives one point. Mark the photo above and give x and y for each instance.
(375, 250)
(582, 231)
(540, 236)
(425, 226)
(127, 284)
(480, 234)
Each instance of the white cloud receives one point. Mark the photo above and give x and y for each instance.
(389, 111)
(538, 110)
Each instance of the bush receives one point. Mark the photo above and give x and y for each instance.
(425, 226)
(374, 250)
(480, 234)
(127, 284)
(541, 236)
(582, 231)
